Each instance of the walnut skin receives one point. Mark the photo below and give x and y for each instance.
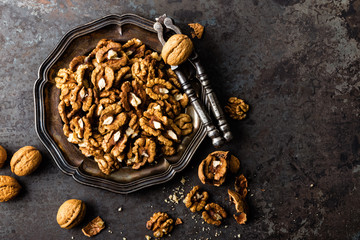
(240, 206)
(161, 224)
(93, 227)
(177, 49)
(3, 156)
(71, 213)
(195, 200)
(236, 108)
(25, 161)
(9, 188)
(213, 168)
(213, 214)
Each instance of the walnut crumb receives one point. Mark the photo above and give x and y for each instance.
(183, 180)
(119, 209)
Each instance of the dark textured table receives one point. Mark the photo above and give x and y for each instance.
(296, 62)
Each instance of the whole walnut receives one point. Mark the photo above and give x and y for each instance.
(177, 49)
(3, 156)
(25, 161)
(71, 213)
(9, 188)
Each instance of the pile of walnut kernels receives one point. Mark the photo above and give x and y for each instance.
(122, 105)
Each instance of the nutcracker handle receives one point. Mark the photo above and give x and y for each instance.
(211, 97)
(212, 131)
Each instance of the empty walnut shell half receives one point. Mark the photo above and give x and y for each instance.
(71, 213)
(240, 206)
(195, 200)
(9, 188)
(160, 223)
(3, 156)
(25, 161)
(177, 49)
(93, 227)
(213, 214)
(213, 168)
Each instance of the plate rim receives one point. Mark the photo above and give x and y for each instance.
(53, 148)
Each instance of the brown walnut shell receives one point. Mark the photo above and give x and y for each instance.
(71, 213)
(177, 49)
(25, 161)
(240, 206)
(3, 156)
(9, 188)
(213, 168)
(93, 227)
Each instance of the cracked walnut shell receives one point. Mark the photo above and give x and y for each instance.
(213, 168)
(71, 213)
(9, 188)
(236, 108)
(3, 156)
(25, 161)
(177, 49)
(198, 30)
(93, 227)
(160, 223)
(213, 214)
(241, 185)
(240, 206)
(195, 200)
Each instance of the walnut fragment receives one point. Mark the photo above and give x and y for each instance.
(213, 214)
(195, 200)
(198, 30)
(161, 224)
(213, 168)
(94, 227)
(241, 206)
(241, 185)
(236, 108)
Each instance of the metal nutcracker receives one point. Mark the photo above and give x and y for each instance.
(212, 131)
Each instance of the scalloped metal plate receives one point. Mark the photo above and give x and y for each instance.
(48, 124)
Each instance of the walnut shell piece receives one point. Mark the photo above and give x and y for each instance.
(25, 161)
(161, 224)
(213, 168)
(198, 30)
(195, 200)
(234, 164)
(9, 188)
(3, 156)
(236, 108)
(241, 185)
(71, 213)
(213, 214)
(93, 227)
(177, 49)
(240, 206)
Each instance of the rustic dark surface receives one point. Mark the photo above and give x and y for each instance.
(296, 62)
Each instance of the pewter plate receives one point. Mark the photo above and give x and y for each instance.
(67, 156)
